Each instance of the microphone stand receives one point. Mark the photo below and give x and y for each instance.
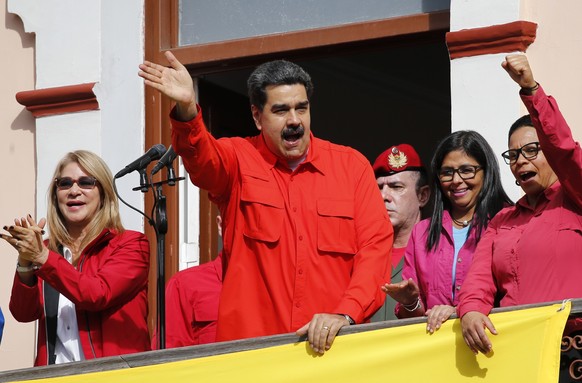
(160, 224)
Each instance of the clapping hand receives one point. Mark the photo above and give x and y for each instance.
(26, 237)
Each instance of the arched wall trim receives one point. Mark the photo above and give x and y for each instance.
(510, 37)
(59, 100)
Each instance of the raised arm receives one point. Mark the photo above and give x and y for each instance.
(562, 152)
(173, 81)
(206, 163)
(517, 67)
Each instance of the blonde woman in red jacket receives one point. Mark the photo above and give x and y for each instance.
(86, 284)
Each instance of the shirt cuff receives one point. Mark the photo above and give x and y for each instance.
(186, 126)
(462, 309)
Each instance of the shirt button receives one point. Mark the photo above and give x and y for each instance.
(297, 304)
(458, 287)
(301, 238)
(300, 271)
(294, 209)
(459, 260)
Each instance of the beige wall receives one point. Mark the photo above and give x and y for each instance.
(17, 191)
(556, 55)
(77, 42)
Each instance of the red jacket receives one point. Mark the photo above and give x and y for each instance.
(108, 288)
(192, 298)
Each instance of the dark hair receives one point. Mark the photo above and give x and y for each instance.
(278, 72)
(492, 197)
(520, 123)
(422, 179)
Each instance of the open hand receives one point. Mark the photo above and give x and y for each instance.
(174, 82)
(405, 292)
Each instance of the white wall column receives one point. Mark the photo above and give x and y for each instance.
(483, 97)
(86, 41)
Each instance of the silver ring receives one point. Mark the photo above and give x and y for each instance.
(16, 244)
(325, 328)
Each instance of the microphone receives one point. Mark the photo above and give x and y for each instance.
(154, 153)
(166, 160)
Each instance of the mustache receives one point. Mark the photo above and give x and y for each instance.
(289, 131)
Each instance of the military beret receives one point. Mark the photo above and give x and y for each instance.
(397, 159)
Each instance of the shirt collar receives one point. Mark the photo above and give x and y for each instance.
(546, 196)
(67, 254)
(217, 264)
(447, 223)
(312, 158)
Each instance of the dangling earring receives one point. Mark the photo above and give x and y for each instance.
(517, 182)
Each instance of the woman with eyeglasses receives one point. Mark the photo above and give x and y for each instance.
(87, 283)
(531, 252)
(467, 191)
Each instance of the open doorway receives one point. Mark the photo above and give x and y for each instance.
(368, 99)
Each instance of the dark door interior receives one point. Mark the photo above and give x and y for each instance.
(369, 98)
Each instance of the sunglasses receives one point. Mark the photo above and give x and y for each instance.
(85, 182)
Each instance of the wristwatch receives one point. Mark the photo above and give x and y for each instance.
(349, 318)
(26, 269)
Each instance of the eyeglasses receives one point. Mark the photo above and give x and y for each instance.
(466, 172)
(528, 151)
(85, 182)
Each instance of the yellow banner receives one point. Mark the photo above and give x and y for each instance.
(527, 349)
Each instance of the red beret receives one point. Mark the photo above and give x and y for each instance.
(397, 159)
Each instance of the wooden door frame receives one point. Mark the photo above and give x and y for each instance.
(161, 34)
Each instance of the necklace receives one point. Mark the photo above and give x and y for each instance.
(464, 223)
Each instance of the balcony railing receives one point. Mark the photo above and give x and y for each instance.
(571, 362)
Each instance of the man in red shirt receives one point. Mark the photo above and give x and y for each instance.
(306, 239)
(403, 183)
(192, 297)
